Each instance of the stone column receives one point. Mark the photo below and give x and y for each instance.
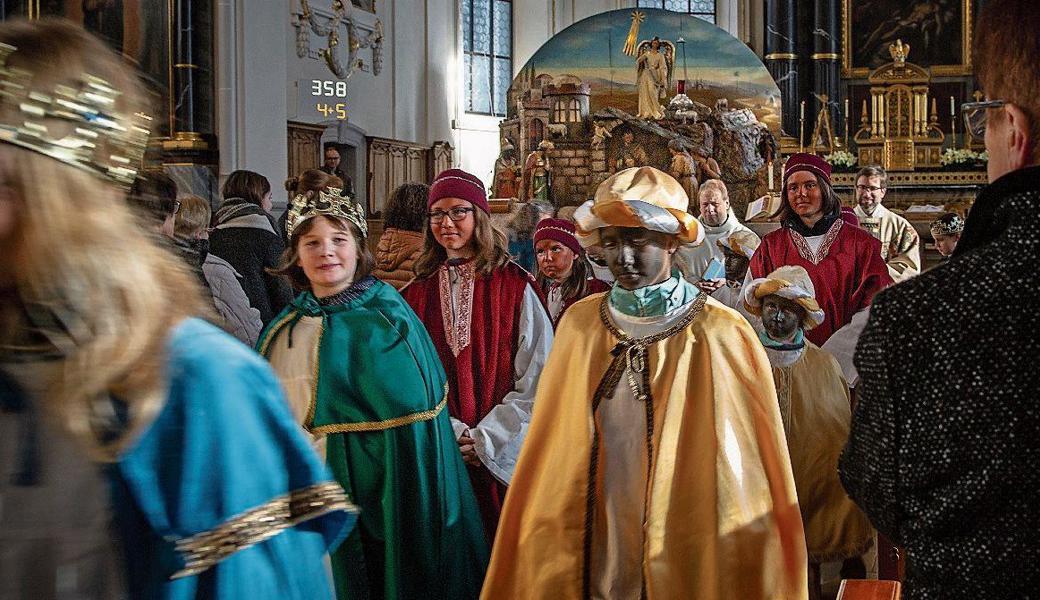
(781, 58)
(826, 48)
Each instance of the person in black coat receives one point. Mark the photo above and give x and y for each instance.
(246, 235)
(944, 452)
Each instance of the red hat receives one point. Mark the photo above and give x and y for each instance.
(558, 230)
(807, 162)
(456, 183)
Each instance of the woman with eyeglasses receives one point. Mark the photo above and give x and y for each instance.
(489, 323)
(843, 261)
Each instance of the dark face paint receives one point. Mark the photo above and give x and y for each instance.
(637, 257)
(736, 265)
(781, 317)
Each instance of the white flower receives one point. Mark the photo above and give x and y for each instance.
(841, 158)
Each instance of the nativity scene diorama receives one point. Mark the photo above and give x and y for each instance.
(628, 89)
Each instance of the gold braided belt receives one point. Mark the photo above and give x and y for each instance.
(204, 550)
(425, 415)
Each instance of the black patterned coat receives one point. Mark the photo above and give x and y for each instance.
(944, 452)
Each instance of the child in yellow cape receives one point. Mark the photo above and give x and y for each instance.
(815, 409)
(656, 464)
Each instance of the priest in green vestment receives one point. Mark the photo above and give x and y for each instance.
(363, 378)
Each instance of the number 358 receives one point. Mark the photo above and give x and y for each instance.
(320, 87)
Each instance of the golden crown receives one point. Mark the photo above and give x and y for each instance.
(100, 140)
(327, 202)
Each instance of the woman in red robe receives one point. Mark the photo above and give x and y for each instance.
(843, 261)
(488, 321)
(564, 274)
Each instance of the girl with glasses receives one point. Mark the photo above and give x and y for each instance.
(488, 321)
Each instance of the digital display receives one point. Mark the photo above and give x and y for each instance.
(326, 96)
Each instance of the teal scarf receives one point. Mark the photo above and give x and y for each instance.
(653, 300)
(768, 342)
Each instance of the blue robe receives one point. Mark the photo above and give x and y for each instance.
(223, 444)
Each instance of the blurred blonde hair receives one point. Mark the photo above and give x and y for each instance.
(192, 217)
(81, 257)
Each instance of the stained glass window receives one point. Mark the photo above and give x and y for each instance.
(702, 9)
(487, 41)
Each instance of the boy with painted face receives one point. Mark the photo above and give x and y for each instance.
(815, 409)
(655, 465)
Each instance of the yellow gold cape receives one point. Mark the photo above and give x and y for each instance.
(722, 521)
(814, 406)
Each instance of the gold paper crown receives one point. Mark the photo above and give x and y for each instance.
(325, 202)
(101, 141)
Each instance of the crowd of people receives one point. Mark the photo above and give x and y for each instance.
(617, 400)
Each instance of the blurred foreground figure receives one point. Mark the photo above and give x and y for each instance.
(655, 464)
(131, 431)
(944, 449)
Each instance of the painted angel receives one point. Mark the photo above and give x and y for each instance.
(653, 76)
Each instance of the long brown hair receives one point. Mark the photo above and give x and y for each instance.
(576, 284)
(311, 180)
(490, 245)
(116, 291)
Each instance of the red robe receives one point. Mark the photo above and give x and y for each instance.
(481, 367)
(847, 270)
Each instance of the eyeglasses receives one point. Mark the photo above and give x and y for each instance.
(176, 206)
(456, 214)
(868, 188)
(975, 116)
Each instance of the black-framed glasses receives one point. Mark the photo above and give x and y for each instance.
(975, 116)
(455, 214)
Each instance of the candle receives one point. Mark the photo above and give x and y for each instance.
(801, 113)
(846, 110)
(953, 108)
(769, 167)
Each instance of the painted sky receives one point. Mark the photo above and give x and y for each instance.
(592, 48)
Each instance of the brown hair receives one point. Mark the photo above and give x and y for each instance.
(874, 171)
(118, 292)
(406, 209)
(831, 202)
(490, 244)
(192, 217)
(577, 283)
(288, 268)
(250, 186)
(309, 180)
(1006, 57)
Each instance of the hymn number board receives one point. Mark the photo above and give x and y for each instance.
(326, 98)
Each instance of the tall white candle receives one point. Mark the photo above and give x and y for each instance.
(769, 168)
(953, 108)
(801, 111)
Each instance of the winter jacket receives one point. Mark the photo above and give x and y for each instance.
(245, 236)
(240, 319)
(944, 447)
(396, 254)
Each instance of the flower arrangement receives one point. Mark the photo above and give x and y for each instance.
(962, 157)
(841, 159)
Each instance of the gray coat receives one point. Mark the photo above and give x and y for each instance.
(240, 319)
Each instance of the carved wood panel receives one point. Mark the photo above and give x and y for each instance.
(304, 147)
(394, 162)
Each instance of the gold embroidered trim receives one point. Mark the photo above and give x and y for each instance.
(204, 550)
(315, 358)
(425, 415)
(457, 332)
(806, 252)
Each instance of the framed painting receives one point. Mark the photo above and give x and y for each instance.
(937, 31)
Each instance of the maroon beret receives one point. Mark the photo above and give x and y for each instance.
(807, 162)
(559, 230)
(456, 183)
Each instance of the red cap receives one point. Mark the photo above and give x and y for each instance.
(456, 183)
(807, 162)
(559, 230)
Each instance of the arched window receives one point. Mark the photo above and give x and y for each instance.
(487, 33)
(702, 9)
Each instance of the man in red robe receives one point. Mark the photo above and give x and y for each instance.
(843, 261)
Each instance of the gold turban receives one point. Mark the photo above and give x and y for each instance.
(789, 282)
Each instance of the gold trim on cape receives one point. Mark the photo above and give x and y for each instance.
(206, 549)
(425, 415)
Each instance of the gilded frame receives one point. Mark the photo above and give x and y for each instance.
(964, 68)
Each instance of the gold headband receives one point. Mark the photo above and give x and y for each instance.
(326, 202)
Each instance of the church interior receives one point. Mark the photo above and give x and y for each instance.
(543, 105)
